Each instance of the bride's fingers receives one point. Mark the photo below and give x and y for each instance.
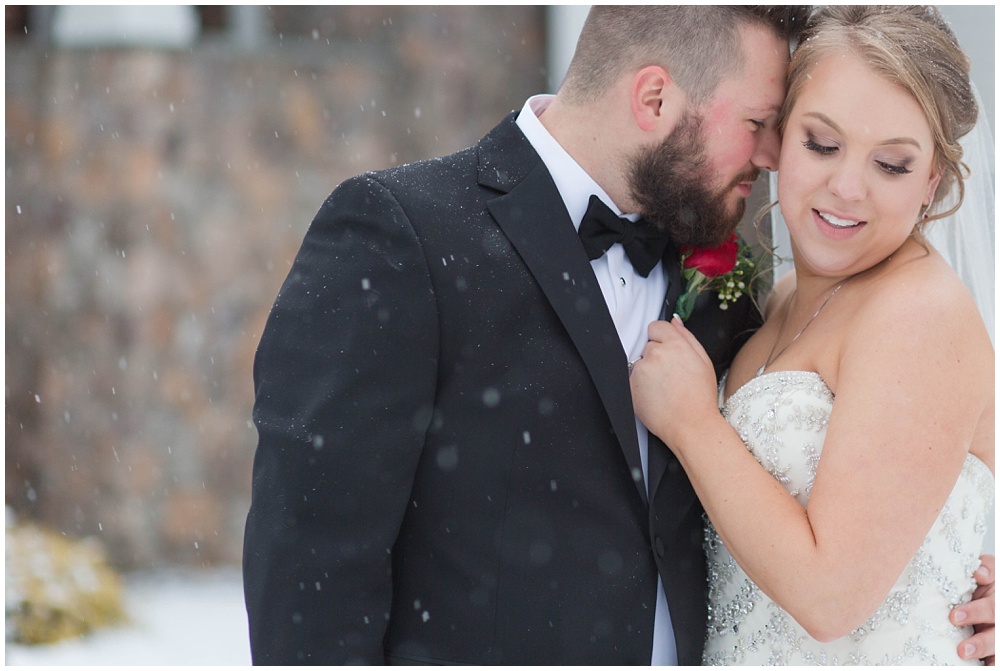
(679, 326)
(659, 331)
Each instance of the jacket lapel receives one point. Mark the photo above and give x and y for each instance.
(721, 333)
(666, 477)
(531, 214)
(675, 286)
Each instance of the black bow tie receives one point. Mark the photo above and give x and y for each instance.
(602, 228)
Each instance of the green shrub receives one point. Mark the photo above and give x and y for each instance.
(57, 588)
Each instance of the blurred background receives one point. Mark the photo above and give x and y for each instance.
(162, 166)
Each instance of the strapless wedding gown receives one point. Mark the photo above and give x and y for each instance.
(782, 417)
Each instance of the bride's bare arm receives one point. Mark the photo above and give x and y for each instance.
(911, 390)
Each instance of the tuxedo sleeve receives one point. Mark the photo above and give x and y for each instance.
(344, 379)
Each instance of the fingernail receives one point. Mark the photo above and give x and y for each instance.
(677, 316)
(959, 616)
(983, 571)
(968, 650)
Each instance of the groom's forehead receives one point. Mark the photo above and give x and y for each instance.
(758, 96)
(759, 83)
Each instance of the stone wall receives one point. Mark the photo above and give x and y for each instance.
(154, 203)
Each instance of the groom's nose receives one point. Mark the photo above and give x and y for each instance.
(767, 150)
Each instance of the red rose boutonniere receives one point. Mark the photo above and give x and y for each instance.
(729, 269)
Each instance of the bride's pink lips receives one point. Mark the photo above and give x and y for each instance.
(835, 232)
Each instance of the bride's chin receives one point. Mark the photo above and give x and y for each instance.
(824, 265)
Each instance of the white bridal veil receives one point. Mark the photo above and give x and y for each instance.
(966, 238)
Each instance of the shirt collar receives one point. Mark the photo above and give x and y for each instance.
(575, 186)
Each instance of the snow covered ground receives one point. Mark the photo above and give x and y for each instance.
(176, 619)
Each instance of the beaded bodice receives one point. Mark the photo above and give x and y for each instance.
(782, 417)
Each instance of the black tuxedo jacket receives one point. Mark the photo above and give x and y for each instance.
(447, 468)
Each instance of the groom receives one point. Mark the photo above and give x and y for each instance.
(449, 469)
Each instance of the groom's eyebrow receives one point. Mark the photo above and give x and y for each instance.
(830, 122)
(770, 109)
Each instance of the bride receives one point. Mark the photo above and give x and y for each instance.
(868, 394)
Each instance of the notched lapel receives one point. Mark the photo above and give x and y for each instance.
(721, 333)
(675, 283)
(665, 474)
(532, 216)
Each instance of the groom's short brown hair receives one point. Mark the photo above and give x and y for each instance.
(698, 45)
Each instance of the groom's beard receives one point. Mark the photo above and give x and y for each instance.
(672, 184)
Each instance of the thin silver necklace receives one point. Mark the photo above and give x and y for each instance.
(771, 356)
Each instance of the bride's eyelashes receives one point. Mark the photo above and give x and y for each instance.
(893, 169)
(828, 150)
(821, 149)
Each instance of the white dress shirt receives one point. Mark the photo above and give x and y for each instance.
(633, 300)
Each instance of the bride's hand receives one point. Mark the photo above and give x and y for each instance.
(674, 382)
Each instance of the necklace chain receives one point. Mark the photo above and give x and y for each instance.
(771, 356)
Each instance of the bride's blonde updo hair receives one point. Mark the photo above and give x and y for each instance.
(912, 47)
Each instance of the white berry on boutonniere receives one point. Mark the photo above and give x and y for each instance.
(730, 270)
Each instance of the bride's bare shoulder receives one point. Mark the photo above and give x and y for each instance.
(924, 296)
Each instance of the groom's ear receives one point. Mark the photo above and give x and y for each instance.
(657, 102)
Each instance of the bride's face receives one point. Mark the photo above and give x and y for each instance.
(856, 168)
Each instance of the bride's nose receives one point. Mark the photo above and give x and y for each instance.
(847, 180)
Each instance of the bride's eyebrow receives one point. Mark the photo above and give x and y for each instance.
(832, 124)
(824, 119)
(902, 140)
